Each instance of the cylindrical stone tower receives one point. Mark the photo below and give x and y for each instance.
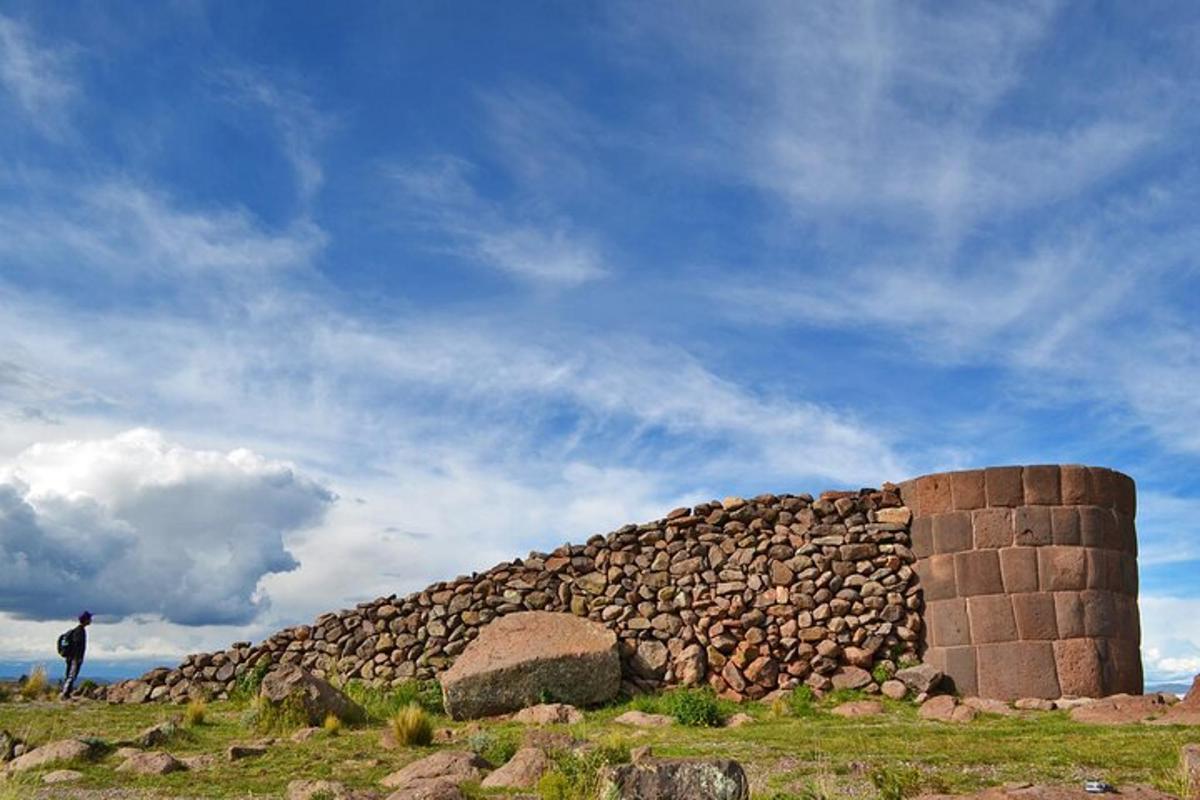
(1030, 579)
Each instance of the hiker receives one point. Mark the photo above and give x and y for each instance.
(71, 646)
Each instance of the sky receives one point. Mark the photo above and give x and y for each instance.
(303, 304)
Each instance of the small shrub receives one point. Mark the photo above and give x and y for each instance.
(267, 717)
(839, 696)
(411, 726)
(779, 708)
(648, 703)
(246, 687)
(882, 672)
(332, 725)
(382, 703)
(5, 693)
(803, 701)
(576, 775)
(495, 747)
(36, 685)
(696, 708)
(195, 712)
(897, 782)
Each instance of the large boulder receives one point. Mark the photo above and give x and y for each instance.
(59, 752)
(523, 770)
(668, 780)
(445, 768)
(521, 659)
(300, 690)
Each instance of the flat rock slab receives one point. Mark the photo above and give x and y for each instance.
(151, 764)
(62, 776)
(520, 658)
(859, 708)
(987, 705)
(436, 789)
(52, 753)
(669, 780)
(640, 719)
(453, 766)
(324, 790)
(945, 708)
(549, 714)
(523, 770)
(237, 752)
(1121, 709)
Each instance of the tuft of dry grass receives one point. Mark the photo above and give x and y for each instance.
(36, 685)
(332, 724)
(411, 726)
(194, 714)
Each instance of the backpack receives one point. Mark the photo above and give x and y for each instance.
(65, 644)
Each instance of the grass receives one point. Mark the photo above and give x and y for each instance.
(811, 755)
(195, 713)
(36, 686)
(384, 703)
(412, 727)
(332, 725)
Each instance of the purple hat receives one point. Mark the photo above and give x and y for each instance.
(85, 616)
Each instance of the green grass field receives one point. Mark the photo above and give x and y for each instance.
(802, 753)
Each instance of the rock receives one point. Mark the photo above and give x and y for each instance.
(894, 689)
(522, 771)
(670, 780)
(850, 678)
(126, 752)
(61, 776)
(738, 720)
(921, 678)
(1120, 709)
(639, 754)
(691, 666)
(317, 790)
(8, 746)
(1027, 791)
(989, 706)
(1034, 704)
(52, 753)
(436, 789)
(640, 719)
(317, 698)
(157, 763)
(1192, 698)
(304, 734)
(650, 659)
(858, 708)
(156, 735)
(237, 752)
(448, 766)
(549, 714)
(198, 762)
(940, 708)
(522, 657)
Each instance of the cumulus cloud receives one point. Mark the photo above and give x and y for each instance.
(134, 524)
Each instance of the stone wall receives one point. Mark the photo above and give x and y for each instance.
(1015, 581)
(1030, 579)
(747, 596)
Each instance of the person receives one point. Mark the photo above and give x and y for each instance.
(76, 647)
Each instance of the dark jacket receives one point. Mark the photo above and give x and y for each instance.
(78, 639)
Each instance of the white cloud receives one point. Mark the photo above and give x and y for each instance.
(438, 197)
(1170, 637)
(137, 525)
(37, 77)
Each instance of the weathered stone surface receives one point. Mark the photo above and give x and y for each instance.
(62, 751)
(671, 780)
(237, 752)
(62, 776)
(1189, 764)
(1121, 709)
(549, 714)
(987, 705)
(945, 708)
(850, 678)
(894, 689)
(317, 790)
(858, 708)
(522, 771)
(450, 766)
(522, 657)
(1033, 704)
(641, 719)
(291, 685)
(154, 763)
(920, 679)
(1039, 792)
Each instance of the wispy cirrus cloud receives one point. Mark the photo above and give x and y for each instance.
(438, 198)
(37, 77)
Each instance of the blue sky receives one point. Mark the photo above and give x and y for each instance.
(300, 305)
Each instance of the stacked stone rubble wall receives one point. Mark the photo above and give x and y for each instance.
(1014, 581)
(1030, 579)
(747, 596)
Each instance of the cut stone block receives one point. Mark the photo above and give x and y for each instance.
(992, 619)
(937, 577)
(1042, 485)
(1036, 616)
(1017, 669)
(952, 532)
(1031, 526)
(967, 489)
(1079, 671)
(993, 528)
(1064, 523)
(1068, 613)
(1019, 569)
(978, 572)
(947, 622)
(1062, 568)
(1004, 486)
